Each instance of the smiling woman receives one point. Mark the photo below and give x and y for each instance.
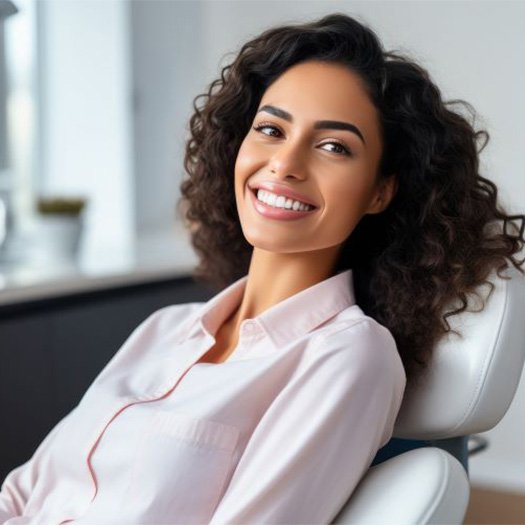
(321, 113)
(303, 181)
(334, 198)
(308, 158)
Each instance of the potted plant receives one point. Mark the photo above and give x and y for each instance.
(59, 226)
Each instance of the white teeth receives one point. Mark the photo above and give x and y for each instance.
(279, 201)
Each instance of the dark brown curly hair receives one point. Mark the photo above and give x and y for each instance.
(442, 234)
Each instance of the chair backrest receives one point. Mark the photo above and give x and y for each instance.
(473, 377)
(471, 381)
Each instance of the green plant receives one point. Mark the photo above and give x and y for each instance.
(60, 205)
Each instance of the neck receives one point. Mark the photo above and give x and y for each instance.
(273, 277)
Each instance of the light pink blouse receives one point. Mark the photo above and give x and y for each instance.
(281, 432)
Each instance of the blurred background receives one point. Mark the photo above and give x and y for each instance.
(95, 97)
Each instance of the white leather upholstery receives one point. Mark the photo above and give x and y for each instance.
(424, 485)
(471, 380)
(470, 384)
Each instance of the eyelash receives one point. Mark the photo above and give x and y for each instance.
(345, 151)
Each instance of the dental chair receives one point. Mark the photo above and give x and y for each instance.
(469, 387)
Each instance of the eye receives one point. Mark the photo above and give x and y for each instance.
(340, 149)
(260, 127)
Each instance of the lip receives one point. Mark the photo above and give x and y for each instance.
(276, 213)
(280, 189)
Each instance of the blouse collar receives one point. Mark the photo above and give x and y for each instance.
(285, 321)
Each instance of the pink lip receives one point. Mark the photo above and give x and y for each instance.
(279, 189)
(276, 213)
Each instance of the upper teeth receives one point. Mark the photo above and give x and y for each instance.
(279, 201)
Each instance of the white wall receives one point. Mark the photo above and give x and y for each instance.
(168, 64)
(474, 51)
(85, 101)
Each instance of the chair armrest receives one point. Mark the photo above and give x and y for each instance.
(422, 486)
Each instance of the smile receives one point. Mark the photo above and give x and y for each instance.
(278, 207)
(280, 201)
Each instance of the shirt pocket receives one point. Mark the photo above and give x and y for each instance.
(181, 467)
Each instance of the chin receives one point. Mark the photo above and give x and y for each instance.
(283, 246)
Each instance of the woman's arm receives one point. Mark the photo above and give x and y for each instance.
(320, 434)
(18, 484)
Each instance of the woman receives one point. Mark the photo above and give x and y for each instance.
(318, 162)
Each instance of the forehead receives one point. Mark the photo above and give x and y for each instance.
(322, 90)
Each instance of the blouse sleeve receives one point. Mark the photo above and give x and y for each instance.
(18, 484)
(321, 433)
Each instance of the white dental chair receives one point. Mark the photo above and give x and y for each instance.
(471, 383)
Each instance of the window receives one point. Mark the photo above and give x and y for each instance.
(18, 137)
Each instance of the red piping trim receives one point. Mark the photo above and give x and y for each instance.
(93, 448)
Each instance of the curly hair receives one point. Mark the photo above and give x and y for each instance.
(444, 231)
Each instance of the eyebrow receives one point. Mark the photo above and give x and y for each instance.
(318, 124)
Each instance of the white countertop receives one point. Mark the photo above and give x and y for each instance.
(147, 258)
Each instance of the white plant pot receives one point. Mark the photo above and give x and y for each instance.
(57, 237)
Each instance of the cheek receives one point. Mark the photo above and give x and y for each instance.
(348, 193)
(345, 203)
(247, 158)
(244, 168)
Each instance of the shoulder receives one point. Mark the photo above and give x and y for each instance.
(164, 326)
(361, 344)
(171, 317)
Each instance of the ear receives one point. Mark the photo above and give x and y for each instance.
(387, 188)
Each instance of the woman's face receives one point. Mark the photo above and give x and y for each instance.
(316, 134)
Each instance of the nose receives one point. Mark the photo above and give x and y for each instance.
(288, 160)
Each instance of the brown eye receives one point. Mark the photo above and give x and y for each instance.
(340, 149)
(260, 127)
